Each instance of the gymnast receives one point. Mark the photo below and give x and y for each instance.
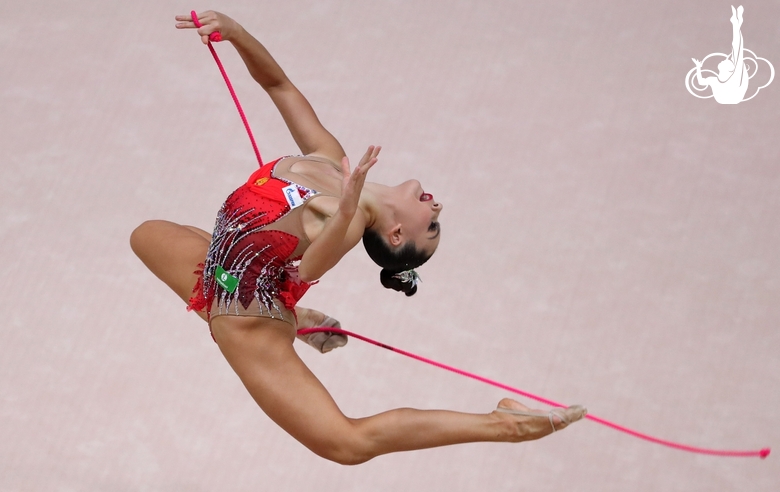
(731, 84)
(291, 222)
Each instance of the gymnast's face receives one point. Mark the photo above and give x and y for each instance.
(417, 214)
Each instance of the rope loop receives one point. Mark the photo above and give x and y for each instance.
(215, 37)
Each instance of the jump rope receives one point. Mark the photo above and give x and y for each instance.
(761, 453)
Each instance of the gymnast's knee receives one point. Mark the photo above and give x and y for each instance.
(349, 449)
(141, 236)
(345, 456)
(138, 237)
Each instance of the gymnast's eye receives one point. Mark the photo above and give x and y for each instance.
(433, 227)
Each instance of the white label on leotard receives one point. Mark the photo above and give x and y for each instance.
(293, 196)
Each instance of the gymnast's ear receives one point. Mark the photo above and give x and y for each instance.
(396, 237)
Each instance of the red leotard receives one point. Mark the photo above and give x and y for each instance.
(258, 238)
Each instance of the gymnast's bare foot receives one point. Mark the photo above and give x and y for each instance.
(534, 424)
(736, 15)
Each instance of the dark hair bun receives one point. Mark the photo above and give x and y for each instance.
(390, 280)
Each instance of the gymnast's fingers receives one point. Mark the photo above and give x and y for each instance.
(187, 22)
(345, 172)
(367, 156)
(187, 18)
(374, 159)
(184, 24)
(363, 168)
(370, 157)
(207, 29)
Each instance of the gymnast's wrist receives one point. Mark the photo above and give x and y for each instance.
(345, 215)
(237, 34)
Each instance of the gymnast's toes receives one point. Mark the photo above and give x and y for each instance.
(525, 424)
(572, 414)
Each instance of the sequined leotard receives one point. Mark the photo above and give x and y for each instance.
(251, 266)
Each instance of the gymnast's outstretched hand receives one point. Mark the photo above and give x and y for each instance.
(354, 180)
(345, 227)
(211, 22)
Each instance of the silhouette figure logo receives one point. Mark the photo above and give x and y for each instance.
(730, 84)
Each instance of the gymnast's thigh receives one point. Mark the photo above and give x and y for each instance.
(200, 232)
(260, 351)
(172, 252)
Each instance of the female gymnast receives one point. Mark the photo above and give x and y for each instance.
(283, 229)
(731, 84)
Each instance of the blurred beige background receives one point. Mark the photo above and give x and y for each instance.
(608, 239)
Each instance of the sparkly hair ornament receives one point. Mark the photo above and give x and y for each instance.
(408, 276)
(405, 281)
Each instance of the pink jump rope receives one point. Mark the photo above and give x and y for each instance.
(762, 453)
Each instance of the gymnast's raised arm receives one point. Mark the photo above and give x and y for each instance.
(306, 129)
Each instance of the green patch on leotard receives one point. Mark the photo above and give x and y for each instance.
(226, 280)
